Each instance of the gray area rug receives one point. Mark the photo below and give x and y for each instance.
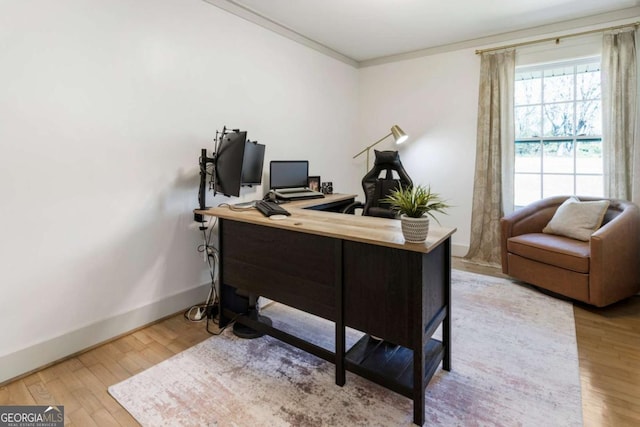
(514, 363)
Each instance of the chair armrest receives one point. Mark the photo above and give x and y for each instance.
(529, 219)
(615, 258)
(351, 208)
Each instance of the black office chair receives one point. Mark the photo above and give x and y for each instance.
(377, 188)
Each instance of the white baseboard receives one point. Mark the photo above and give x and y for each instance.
(459, 250)
(42, 354)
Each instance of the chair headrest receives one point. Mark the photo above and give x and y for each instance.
(387, 159)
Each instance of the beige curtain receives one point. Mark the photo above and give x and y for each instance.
(493, 185)
(619, 98)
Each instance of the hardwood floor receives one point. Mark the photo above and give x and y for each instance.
(608, 349)
(80, 383)
(609, 352)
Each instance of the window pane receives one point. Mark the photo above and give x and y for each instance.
(526, 188)
(558, 127)
(558, 119)
(589, 185)
(528, 121)
(557, 185)
(558, 157)
(588, 82)
(528, 91)
(528, 156)
(588, 118)
(589, 157)
(558, 84)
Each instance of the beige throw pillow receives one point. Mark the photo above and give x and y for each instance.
(577, 219)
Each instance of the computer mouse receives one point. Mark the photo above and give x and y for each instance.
(277, 217)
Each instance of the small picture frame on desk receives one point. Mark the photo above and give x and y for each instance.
(313, 182)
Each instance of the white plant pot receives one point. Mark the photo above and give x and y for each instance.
(414, 230)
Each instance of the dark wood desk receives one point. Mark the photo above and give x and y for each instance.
(355, 271)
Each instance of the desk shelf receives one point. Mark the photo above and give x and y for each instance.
(391, 365)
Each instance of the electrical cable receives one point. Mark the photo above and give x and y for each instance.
(221, 330)
(236, 208)
(213, 261)
(199, 312)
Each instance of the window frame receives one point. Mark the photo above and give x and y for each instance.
(574, 139)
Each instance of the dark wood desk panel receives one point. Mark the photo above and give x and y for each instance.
(436, 294)
(379, 283)
(296, 269)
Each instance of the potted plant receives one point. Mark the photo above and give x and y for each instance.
(415, 205)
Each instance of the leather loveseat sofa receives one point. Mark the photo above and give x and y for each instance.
(603, 270)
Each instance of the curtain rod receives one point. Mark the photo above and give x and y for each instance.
(557, 39)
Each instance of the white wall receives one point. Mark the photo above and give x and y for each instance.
(104, 106)
(434, 99)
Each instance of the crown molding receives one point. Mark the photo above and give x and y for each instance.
(603, 19)
(231, 6)
(256, 18)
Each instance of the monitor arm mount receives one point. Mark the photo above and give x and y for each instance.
(204, 161)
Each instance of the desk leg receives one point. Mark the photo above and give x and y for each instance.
(340, 369)
(418, 387)
(446, 324)
(418, 354)
(339, 325)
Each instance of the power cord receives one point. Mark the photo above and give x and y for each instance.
(209, 308)
(221, 330)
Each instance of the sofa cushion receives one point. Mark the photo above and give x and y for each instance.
(577, 219)
(558, 280)
(554, 250)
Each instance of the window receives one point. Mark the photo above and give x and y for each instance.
(558, 128)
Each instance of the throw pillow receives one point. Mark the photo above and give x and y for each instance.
(577, 219)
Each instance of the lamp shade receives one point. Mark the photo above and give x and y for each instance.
(398, 134)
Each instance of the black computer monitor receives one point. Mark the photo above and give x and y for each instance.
(252, 163)
(228, 164)
(238, 162)
(288, 173)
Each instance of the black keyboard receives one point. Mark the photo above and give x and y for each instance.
(270, 208)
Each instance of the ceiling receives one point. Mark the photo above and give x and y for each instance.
(364, 30)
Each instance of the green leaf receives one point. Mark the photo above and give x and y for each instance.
(416, 201)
